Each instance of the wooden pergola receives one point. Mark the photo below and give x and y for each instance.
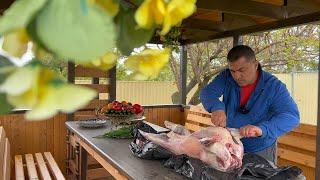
(234, 18)
(217, 19)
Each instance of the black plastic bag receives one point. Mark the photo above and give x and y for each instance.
(196, 169)
(145, 149)
(254, 168)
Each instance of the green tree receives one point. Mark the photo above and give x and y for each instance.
(277, 51)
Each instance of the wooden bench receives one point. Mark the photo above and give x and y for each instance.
(298, 147)
(197, 118)
(28, 166)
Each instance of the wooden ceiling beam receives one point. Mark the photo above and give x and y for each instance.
(243, 7)
(274, 2)
(293, 21)
(301, 7)
(230, 21)
(207, 15)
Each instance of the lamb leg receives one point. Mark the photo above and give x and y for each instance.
(176, 143)
(177, 128)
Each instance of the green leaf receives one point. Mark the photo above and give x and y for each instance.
(138, 2)
(5, 107)
(72, 34)
(31, 29)
(4, 62)
(19, 14)
(129, 35)
(123, 132)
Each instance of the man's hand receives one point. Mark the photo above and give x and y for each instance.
(218, 118)
(250, 131)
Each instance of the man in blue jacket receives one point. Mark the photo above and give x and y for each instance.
(254, 101)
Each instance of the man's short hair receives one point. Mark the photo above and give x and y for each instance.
(241, 51)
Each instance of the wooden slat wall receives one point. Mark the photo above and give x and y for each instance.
(157, 115)
(36, 136)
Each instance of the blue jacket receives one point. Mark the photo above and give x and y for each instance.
(270, 107)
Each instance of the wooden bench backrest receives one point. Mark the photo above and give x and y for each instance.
(197, 118)
(4, 155)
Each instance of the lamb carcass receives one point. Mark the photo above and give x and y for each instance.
(218, 147)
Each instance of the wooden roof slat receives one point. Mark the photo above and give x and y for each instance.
(274, 2)
(293, 21)
(261, 20)
(230, 22)
(206, 14)
(243, 7)
(300, 7)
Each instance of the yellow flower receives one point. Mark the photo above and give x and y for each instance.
(176, 11)
(42, 90)
(16, 43)
(148, 63)
(62, 97)
(157, 12)
(25, 92)
(105, 63)
(150, 13)
(110, 6)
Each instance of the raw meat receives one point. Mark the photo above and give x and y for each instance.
(218, 147)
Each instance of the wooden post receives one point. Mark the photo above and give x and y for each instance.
(83, 164)
(71, 72)
(71, 79)
(183, 75)
(68, 156)
(95, 80)
(237, 40)
(113, 84)
(318, 129)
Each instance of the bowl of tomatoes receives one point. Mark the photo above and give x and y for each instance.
(123, 111)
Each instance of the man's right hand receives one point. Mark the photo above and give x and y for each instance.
(218, 118)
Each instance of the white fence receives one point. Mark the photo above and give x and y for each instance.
(302, 86)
